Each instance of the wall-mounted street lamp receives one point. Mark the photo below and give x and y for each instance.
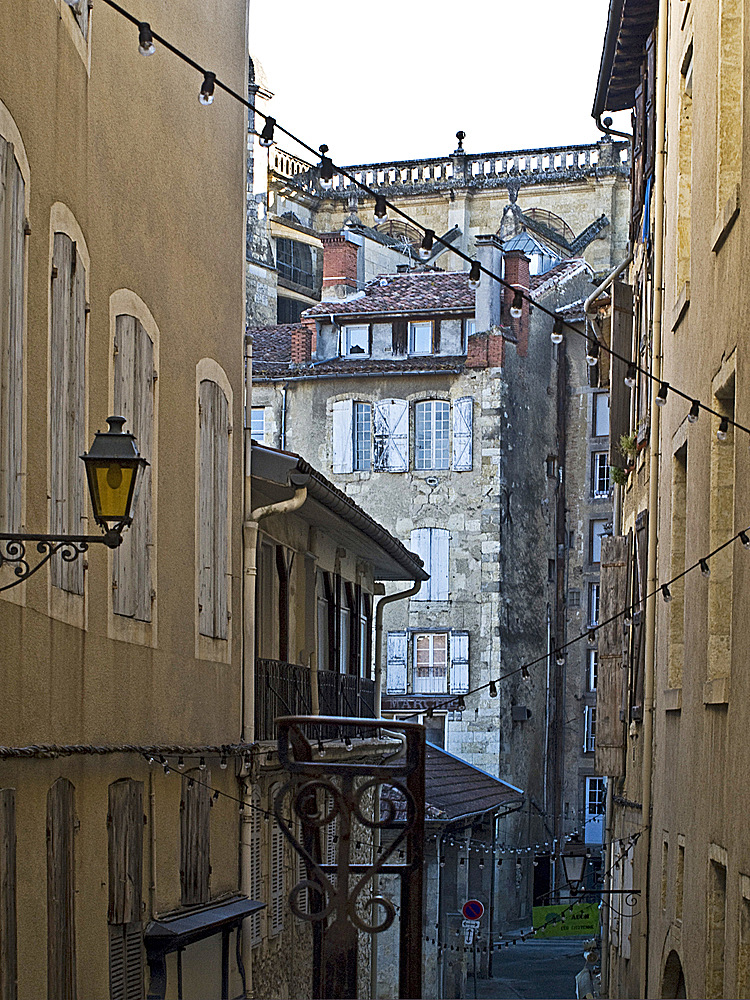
(113, 468)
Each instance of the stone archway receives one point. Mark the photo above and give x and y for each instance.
(673, 980)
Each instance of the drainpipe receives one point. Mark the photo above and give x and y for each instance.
(654, 457)
(250, 572)
(283, 417)
(388, 599)
(612, 276)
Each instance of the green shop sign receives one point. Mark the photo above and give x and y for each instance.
(578, 920)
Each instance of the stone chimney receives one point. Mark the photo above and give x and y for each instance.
(517, 275)
(339, 265)
(304, 339)
(489, 293)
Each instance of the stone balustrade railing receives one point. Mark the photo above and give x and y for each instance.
(526, 166)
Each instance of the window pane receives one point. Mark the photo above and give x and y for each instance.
(601, 414)
(600, 474)
(258, 424)
(593, 604)
(356, 340)
(432, 434)
(593, 667)
(420, 338)
(430, 663)
(294, 261)
(598, 529)
(362, 436)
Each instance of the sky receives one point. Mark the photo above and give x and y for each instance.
(381, 80)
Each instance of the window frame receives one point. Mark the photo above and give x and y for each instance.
(594, 596)
(592, 668)
(595, 539)
(361, 434)
(589, 728)
(346, 345)
(596, 418)
(432, 441)
(600, 482)
(256, 411)
(432, 677)
(414, 334)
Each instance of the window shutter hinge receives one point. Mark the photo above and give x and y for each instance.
(155, 376)
(26, 227)
(53, 271)
(87, 308)
(153, 594)
(229, 429)
(114, 584)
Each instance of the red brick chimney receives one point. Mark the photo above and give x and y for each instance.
(304, 339)
(517, 275)
(339, 265)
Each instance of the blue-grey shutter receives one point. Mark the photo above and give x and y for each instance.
(419, 542)
(459, 662)
(463, 412)
(390, 419)
(343, 457)
(439, 543)
(395, 678)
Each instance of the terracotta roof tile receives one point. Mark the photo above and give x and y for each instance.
(273, 343)
(418, 291)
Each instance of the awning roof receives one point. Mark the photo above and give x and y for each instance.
(179, 929)
(277, 474)
(629, 24)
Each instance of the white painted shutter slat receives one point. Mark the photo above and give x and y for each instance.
(123, 594)
(439, 564)
(343, 452)
(206, 509)
(77, 399)
(419, 542)
(277, 873)
(459, 662)
(5, 293)
(463, 413)
(395, 678)
(221, 513)
(143, 428)
(398, 450)
(256, 866)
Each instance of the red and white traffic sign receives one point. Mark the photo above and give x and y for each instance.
(473, 909)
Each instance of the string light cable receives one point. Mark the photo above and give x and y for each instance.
(327, 169)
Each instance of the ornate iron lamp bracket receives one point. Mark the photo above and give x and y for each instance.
(13, 550)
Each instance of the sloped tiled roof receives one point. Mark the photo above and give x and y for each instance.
(273, 343)
(556, 275)
(418, 291)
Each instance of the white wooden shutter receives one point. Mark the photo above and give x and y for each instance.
(213, 511)
(459, 662)
(439, 541)
(67, 404)
(395, 677)
(390, 418)
(419, 542)
(343, 456)
(277, 873)
(256, 865)
(12, 222)
(463, 413)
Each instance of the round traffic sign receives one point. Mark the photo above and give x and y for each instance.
(473, 909)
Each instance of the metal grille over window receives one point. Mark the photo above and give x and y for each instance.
(432, 434)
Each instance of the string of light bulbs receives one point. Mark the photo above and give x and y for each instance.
(327, 170)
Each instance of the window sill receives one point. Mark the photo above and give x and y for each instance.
(725, 220)
(716, 691)
(673, 699)
(681, 306)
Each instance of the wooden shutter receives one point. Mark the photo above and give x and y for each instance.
(277, 872)
(391, 435)
(126, 961)
(134, 400)
(256, 864)
(619, 393)
(195, 838)
(419, 542)
(639, 582)
(610, 745)
(67, 404)
(650, 106)
(439, 540)
(436, 336)
(459, 662)
(463, 419)
(61, 936)
(8, 929)
(343, 456)
(396, 649)
(213, 511)
(12, 284)
(125, 850)
(399, 336)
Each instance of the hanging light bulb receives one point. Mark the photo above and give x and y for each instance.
(151, 759)
(191, 782)
(525, 673)
(202, 764)
(223, 763)
(146, 45)
(695, 410)
(348, 743)
(167, 768)
(180, 763)
(592, 352)
(206, 95)
(326, 169)
(630, 376)
(705, 568)
(461, 704)
(592, 635)
(723, 430)
(493, 689)
(381, 209)
(427, 240)
(627, 618)
(557, 331)
(266, 136)
(745, 539)
(216, 794)
(559, 657)
(661, 396)
(475, 275)
(666, 593)
(516, 307)
(321, 748)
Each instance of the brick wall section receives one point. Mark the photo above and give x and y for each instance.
(485, 350)
(339, 261)
(303, 342)
(517, 274)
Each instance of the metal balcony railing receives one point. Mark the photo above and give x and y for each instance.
(284, 689)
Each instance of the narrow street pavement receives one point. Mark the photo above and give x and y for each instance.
(532, 970)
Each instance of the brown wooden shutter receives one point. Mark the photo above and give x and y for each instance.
(8, 931)
(213, 517)
(639, 582)
(12, 240)
(637, 173)
(436, 336)
(619, 393)
(134, 400)
(125, 850)
(61, 937)
(399, 336)
(195, 838)
(609, 751)
(67, 404)
(126, 961)
(650, 106)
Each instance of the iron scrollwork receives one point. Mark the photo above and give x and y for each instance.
(14, 552)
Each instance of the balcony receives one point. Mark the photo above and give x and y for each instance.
(284, 689)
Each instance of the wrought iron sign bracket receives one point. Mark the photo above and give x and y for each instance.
(13, 550)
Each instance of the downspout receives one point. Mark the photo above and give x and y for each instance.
(388, 599)
(250, 572)
(283, 417)
(612, 276)
(654, 457)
